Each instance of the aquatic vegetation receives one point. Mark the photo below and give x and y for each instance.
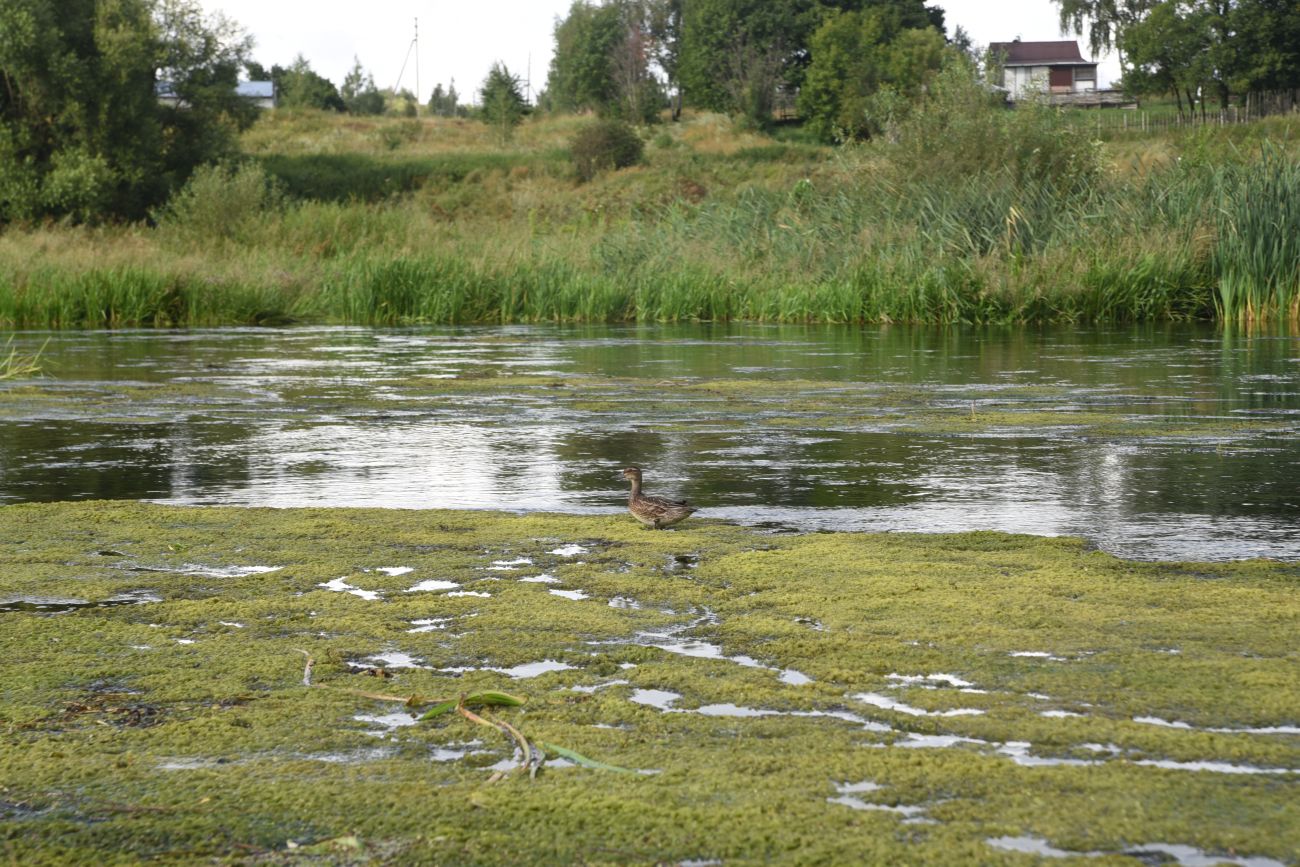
(15, 366)
(181, 726)
(1258, 252)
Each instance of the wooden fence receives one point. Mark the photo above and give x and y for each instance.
(1132, 118)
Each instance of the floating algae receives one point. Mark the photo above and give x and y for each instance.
(925, 622)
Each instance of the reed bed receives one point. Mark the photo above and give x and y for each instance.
(1257, 258)
(765, 231)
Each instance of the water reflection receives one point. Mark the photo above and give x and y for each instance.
(329, 416)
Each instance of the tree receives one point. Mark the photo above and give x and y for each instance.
(359, 93)
(300, 86)
(862, 63)
(82, 131)
(581, 76)
(445, 103)
(1106, 21)
(666, 35)
(638, 93)
(503, 105)
(735, 54)
(1268, 36)
(1168, 52)
(602, 61)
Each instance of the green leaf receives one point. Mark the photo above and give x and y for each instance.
(489, 699)
(580, 759)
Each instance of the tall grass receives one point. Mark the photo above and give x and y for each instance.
(1258, 251)
(1023, 225)
(15, 366)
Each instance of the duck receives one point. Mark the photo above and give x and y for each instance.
(655, 512)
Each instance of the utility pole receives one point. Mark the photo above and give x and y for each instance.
(417, 67)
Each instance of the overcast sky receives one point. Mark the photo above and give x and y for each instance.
(462, 40)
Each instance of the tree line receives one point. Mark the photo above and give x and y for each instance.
(1196, 50)
(840, 61)
(84, 134)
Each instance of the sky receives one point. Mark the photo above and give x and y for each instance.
(462, 40)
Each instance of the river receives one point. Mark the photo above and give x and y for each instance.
(1156, 442)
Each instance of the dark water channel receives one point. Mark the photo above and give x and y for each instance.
(1196, 456)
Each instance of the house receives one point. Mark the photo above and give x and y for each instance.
(259, 93)
(1053, 68)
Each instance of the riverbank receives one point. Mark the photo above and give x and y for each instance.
(836, 697)
(387, 221)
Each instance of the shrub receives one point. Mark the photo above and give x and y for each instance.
(960, 129)
(221, 201)
(605, 144)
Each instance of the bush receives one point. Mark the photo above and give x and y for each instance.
(221, 201)
(1034, 142)
(605, 144)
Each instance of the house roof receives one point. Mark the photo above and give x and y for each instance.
(249, 89)
(1063, 52)
(256, 89)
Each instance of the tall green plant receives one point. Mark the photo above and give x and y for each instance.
(503, 102)
(1257, 257)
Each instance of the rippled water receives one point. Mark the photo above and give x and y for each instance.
(345, 417)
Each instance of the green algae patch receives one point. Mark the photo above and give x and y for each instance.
(243, 686)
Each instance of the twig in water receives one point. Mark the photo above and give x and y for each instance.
(306, 672)
(500, 725)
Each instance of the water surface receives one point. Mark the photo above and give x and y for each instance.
(1206, 463)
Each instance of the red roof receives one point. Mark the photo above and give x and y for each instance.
(1039, 53)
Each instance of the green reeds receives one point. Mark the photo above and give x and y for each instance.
(849, 242)
(14, 366)
(1257, 258)
(122, 297)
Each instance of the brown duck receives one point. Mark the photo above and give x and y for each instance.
(654, 512)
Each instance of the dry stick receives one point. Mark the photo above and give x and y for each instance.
(501, 725)
(306, 672)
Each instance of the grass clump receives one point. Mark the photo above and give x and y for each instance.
(16, 366)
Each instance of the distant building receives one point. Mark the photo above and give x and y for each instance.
(1054, 68)
(260, 93)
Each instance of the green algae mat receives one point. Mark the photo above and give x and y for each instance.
(225, 685)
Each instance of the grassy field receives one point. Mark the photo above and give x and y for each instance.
(223, 685)
(380, 220)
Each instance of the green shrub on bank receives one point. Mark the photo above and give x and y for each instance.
(221, 202)
(604, 145)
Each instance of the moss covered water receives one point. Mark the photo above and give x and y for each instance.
(825, 697)
(1167, 443)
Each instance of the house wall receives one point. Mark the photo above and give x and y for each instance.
(1023, 80)
(1020, 81)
